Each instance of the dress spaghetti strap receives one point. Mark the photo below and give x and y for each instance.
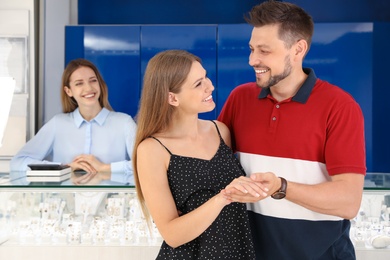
(161, 144)
(217, 128)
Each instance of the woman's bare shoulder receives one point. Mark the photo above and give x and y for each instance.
(148, 145)
(224, 130)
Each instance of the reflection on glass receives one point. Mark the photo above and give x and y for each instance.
(19, 178)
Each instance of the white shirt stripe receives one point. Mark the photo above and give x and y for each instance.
(300, 171)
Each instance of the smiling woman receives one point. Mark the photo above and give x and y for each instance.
(82, 135)
(81, 72)
(183, 187)
(85, 90)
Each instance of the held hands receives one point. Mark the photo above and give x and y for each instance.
(239, 188)
(254, 188)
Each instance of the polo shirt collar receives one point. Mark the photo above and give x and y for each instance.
(304, 91)
(99, 118)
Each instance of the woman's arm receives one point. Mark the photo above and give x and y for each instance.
(37, 149)
(176, 230)
(126, 167)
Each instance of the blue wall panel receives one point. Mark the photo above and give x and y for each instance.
(115, 50)
(74, 43)
(381, 103)
(200, 40)
(220, 11)
(162, 12)
(233, 58)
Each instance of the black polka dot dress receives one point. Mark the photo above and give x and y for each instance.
(193, 181)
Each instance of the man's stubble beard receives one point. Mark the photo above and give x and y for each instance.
(277, 78)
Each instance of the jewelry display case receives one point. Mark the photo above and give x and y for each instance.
(102, 220)
(370, 229)
(58, 220)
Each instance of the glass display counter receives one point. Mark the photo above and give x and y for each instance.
(370, 229)
(102, 219)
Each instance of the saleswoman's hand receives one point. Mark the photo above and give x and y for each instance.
(82, 165)
(93, 162)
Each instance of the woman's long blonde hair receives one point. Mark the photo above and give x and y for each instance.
(165, 72)
(69, 104)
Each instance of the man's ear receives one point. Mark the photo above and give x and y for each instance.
(172, 99)
(301, 48)
(68, 91)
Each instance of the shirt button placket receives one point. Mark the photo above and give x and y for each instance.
(274, 117)
(275, 112)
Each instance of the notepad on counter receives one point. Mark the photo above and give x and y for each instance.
(48, 170)
(38, 178)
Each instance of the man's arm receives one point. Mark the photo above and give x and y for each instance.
(341, 196)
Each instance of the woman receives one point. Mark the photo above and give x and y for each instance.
(88, 135)
(182, 164)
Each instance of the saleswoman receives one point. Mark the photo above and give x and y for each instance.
(88, 135)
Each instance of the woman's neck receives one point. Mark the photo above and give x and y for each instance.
(183, 126)
(89, 113)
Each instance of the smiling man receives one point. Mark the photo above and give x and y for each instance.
(299, 136)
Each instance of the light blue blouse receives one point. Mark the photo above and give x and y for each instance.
(109, 137)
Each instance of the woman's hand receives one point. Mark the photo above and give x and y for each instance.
(92, 162)
(82, 165)
(244, 189)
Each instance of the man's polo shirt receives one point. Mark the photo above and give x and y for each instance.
(306, 139)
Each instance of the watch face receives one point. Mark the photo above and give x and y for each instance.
(278, 195)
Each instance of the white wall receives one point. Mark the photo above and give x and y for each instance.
(54, 16)
(17, 19)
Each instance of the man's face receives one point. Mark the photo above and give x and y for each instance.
(269, 56)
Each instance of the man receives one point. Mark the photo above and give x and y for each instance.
(301, 138)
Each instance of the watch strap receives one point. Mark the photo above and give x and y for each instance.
(281, 193)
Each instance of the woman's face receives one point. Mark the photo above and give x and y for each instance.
(195, 95)
(84, 87)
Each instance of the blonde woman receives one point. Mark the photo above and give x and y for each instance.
(182, 165)
(88, 135)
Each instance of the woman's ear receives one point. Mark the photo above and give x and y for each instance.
(172, 99)
(68, 91)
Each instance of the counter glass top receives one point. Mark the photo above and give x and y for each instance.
(19, 179)
(373, 181)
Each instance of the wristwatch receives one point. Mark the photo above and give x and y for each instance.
(281, 193)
